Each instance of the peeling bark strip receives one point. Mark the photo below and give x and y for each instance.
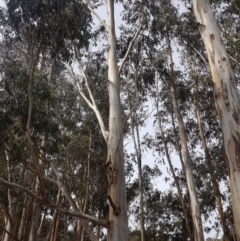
(226, 99)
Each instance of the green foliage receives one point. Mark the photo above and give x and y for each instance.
(73, 140)
(54, 24)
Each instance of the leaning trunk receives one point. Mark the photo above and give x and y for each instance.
(196, 215)
(226, 99)
(210, 167)
(118, 221)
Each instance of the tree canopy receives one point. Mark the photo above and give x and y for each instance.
(125, 136)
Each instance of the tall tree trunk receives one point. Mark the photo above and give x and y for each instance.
(78, 231)
(118, 220)
(185, 212)
(226, 98)
(36, 206)
(25, 214)
(35, 219)
(136, 141)
(210, 166)
(56, 227)
(138, 152)
(196, 215)
(84, 203)
(177, 145)
(52, 228)
(10, 212)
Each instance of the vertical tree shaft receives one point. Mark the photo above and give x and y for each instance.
(210, 167)
(118, 220)
(185, 213)
(196, 215)
(226, 98)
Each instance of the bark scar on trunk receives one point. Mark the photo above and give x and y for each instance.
(212, 38)
(236, 154)
(111, 171)
(116, 208)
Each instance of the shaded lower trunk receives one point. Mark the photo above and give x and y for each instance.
(33, 235)
(56, 232)
(78, 231)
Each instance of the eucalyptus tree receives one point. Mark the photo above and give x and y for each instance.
(226, 97)
(118, 220)
(167, 32)
(134, 95)
(30, 28)
(197, 67)
(69, 127)
(35, 20)
(134, 122)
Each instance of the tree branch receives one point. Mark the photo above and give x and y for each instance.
(92, 236)
(95, 108)
(96, 15)
(97, 221)
(202, 57)
(74, 212)
(233, 59)
(133, 39)
(92, 103)
(69, 68)
(15, 185)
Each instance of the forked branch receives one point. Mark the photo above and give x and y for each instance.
(91, 103)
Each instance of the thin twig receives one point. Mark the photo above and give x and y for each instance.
(233, 59)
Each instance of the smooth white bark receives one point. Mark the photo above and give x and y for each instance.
(226, 98)
(118, 219)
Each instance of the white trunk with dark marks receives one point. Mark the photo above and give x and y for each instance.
(226, 99)
(118, 220)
